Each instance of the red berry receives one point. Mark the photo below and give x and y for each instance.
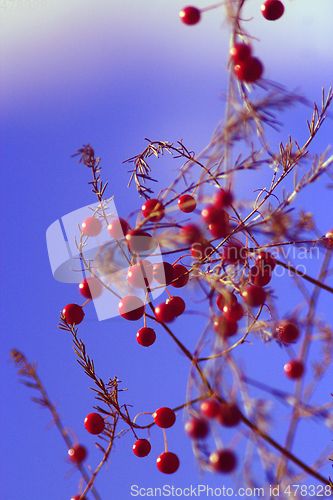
(272, 10)
(167, 462)
(190, 15)
(78, 497)
(141, 447)
(91, 226)
(187, 203)
(229, 415)
(118, 228)
(259, 276)
(201, 250)
(90, 288)
(131, 308)
(164, 417)
(177, 304)
(234, 253)
(288, 332)
(219, 229)
(249, 70)
(294, 369)
(139, 241)
(233, 312)
(94, 423)
(77, 453)
(329, 239)
(190, 234)
(212, 214)
(224, 327)
(146, 336)
(254, 296)
(163, 273)
(240, 52)
(73, 314)
(223, 198)
(141, 274)
(223, 461)
(153, 206)
(266, 261)
(182, 278)
(224, 299)
(210, 408)
(196, 428)
(164, 313)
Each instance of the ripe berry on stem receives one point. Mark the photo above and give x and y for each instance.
(210, 408)
(294, 369)
(141, 274)
(139, 241)
(222, 198)
(272, 10)
(73, 314)
(233, 312)
(163, 273)
(91, 226)
(266, 261)
(164, 313)
(229, 415)
(213, 214)
(141, 448)
(288, 332)
(224, 299)
(177, 304)
(164, 417)
(224, 327)
(182, 278)
(187, 203)
(240, 52)
(254, 296)
(196, 428)
(77, 453)
(146, 336)
(94, 423)
(250, 70)
(118, 228)
(219, 229)
(190, 15)
(131, 308)
(78, 497)
(153, 206)
(223, 461)
(259, 276)
(90, 288)
(167, 462)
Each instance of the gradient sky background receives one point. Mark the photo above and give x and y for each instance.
(111, 74)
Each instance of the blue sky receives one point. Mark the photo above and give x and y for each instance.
(111, 74)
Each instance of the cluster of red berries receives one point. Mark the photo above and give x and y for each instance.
(143, 273)
(288, 332)
(246, 68)
(271, 10)
(228, 415)
(167, 462)
(94, 423)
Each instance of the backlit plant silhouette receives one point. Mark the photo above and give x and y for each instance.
(225, 250)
